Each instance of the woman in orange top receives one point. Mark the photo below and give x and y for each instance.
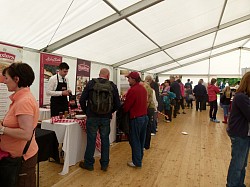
(20, 120)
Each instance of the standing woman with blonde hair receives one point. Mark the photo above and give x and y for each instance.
(239, 133)
(226, 95)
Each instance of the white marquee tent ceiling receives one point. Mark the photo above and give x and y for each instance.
(155, 36)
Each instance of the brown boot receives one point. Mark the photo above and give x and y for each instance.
(225, 119)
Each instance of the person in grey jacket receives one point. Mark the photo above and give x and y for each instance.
(239, 133)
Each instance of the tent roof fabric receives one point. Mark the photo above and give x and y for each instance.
(154, 36)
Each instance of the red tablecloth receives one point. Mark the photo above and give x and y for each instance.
(82, 123)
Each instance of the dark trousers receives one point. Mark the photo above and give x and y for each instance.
(176, 107)
(168, 113)
(205, 100)
(189, 103)
(155, 122)
(137, 135)
(213, 109)
(27, 175)
(199, 102)
(182, 103)
(149, 125)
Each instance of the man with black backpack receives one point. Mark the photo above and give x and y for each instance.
(99, 99)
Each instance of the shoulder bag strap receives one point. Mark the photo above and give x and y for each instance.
(28, 143)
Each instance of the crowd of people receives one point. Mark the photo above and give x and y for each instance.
(143, 101)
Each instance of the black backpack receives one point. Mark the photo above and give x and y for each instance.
(101, 97)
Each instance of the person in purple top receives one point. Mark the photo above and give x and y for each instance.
(239, 133)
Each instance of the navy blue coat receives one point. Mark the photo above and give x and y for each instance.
(238, 124)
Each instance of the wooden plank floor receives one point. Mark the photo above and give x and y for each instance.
(200, 158)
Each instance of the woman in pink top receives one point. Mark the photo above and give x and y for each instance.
(166, 87)
(212, 92)
(20, 121)
(182, 95)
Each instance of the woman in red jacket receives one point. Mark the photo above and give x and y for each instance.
(212, 91)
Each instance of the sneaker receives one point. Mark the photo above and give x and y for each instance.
(131, 164)
(90, 168)
(153, 134)
(168, 121)
(211, 119)
(216, 121)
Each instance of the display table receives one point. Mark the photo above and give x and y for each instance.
(44, 113)
(47, 144)
(74, 141)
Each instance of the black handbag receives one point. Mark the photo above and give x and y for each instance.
(222, 99)
(10, 167)
(9, 170)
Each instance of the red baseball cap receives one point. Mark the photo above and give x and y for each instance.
(134, 75)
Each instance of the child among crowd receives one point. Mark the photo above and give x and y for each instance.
(168, 99)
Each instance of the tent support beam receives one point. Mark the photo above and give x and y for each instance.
(137, 28)
(198, 52)
(199, 60)
(215, 36)
(245, 43)
(141, 5)
(246, 48)
(204, 75)
(184, 40)
(240, 59)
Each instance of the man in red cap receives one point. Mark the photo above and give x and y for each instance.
(136, 105)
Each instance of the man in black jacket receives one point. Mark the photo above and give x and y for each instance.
(175, 88)
(188, 83)
(97, 121)
(200, 93)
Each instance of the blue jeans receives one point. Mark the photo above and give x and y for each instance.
(92, 126)
(237, 168)
(137, 135)
(225, 109)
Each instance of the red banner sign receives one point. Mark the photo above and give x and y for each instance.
(7, 56)
(82, 76)
(48, 67)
